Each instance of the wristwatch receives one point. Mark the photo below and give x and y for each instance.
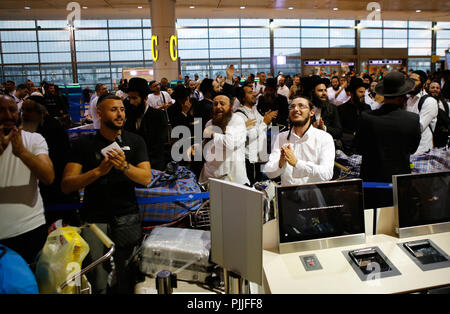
(127, 167)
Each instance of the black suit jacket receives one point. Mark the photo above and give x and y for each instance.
(280, 104)
(386, 138)
(153, 129)
(203, 110)
(330, 117)
(349, 115)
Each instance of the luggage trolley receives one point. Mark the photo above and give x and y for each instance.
(84, 286)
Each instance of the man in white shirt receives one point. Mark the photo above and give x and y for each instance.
(336, 92)
(225, 147)
(282, 88)
(303, 154)
(100, 89)
(369, 97)
(159, 99)
(23, 161)
(20, 94)
(256, 124)
(427, 114)
(260, 86)
(435, 91)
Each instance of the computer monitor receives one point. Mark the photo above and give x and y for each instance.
(320, 215)
(237, 228)
(421, 203)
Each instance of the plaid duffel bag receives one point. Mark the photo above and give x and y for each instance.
(170, 196)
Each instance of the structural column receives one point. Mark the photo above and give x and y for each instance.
(164, 45)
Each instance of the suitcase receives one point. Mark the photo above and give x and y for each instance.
(185, 252)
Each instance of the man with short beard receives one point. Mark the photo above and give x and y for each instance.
(282, 88)
(326, 115)
(100, 89)
(109, 181)
(272, 101)
(337, 91)
(225, 144)
(428, 113)
(296, 88)
(350, 112)
(303, 154)
(435, 91)
(256, 144)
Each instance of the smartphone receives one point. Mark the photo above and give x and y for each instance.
(109, 148)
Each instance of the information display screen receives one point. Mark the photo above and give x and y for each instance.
(422, 199)
(315, 211)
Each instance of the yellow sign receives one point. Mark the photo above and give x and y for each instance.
(154, 50)
(435, 58)
(173, 50)
(173, 43)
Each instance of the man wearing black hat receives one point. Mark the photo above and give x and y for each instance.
(386, 138)
(203, 108)
(350, 112)
(326, 115)
(147, 121)
(270, 100)
(181, 112)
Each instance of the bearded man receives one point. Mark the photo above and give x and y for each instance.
(224, 144)
(427, 113)
(272, 101)
(303, 154)
(326, 116)
(350, 112)
(148, 122)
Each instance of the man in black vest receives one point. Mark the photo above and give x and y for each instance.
(386, 138)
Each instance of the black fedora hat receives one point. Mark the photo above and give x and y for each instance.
(395, 84)
(271, 82)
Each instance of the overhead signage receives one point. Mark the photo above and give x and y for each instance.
(323, 62)
(385, 62)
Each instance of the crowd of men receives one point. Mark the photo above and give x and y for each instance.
(239, 130)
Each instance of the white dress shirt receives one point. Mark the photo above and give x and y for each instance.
(256, 144)
(342, 98)
(283, 90)
(257, 89)
(371, 101)
(427, 117)
(315, 153)
(225, 153)
(156, 101)
(93, 112)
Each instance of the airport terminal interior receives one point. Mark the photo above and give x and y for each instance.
(224, 147)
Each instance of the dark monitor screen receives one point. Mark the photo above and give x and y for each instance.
(322, 210)
(422, 199)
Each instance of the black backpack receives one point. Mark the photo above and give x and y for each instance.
(442, 130)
